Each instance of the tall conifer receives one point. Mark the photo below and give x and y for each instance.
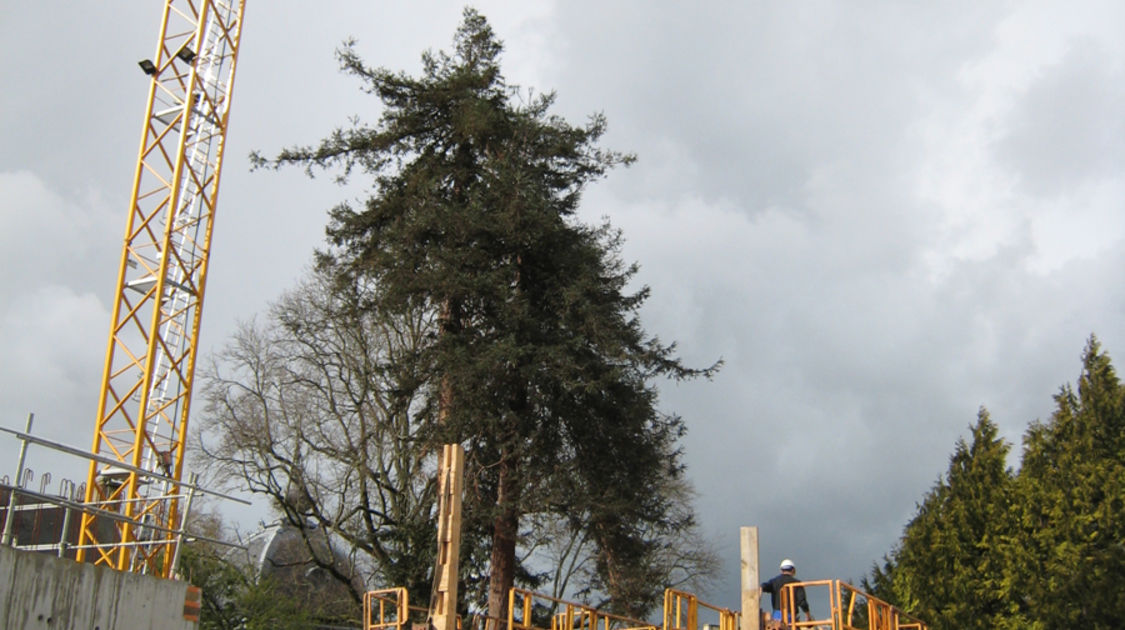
(1038, 551)
(948, 567)
(1069, 563)
(541, 367)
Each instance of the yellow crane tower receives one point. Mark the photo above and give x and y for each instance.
(150, 356)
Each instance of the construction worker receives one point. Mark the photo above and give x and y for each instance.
(773, 587)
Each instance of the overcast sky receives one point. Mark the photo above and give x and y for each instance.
(881, 215)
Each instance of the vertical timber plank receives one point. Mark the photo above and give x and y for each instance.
(443, 600)
(751, 581)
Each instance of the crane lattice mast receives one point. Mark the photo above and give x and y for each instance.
(150, 357)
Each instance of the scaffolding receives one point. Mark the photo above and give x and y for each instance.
(48, 522)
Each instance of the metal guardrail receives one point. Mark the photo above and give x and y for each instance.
(390, 609)
(681, 612)
(523, 605)
(36, 509)
(386, 609)
(849, 609)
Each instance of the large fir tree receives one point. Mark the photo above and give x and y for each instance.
(1069, 562)
(948, 567)
(540, 365)
(1038, 551)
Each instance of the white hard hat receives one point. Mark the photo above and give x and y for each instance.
(787, 564)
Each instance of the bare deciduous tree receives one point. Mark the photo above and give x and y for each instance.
(320, 408)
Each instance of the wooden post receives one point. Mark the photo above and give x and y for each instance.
(751, 582)
(443, 600)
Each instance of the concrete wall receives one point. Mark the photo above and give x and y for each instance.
(40, 591)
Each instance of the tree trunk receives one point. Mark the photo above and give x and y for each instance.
(449, 323)
(505, 529)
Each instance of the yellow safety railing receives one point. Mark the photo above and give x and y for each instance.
(681, 612)
(388, 609)
(523, 606)
(849, 609)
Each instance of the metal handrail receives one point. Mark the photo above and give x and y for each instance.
(573, 616)
(161, 534)
(681, 612)
(843, 600)
(70, 450)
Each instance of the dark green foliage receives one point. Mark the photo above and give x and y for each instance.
(538, 365)
(1039, 550)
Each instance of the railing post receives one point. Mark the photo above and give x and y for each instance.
(10, 516)
(193, 479)
(366, 610)
(65, 529)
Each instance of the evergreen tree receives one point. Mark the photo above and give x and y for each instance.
(539, 366)
(948, 567)
(1039, 551)
(1069, 561)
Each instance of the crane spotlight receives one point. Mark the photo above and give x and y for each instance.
(186, 55)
